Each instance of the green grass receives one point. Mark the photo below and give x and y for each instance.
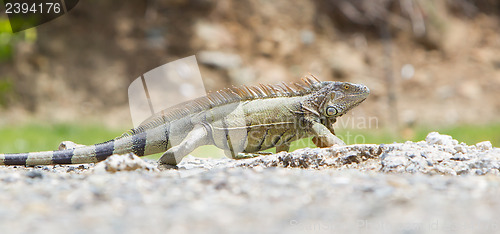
(470, 134)
(43, 137)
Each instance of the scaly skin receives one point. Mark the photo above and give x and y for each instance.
(248, 119)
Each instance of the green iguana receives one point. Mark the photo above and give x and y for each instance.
(246, 119)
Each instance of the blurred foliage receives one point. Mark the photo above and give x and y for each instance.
(6, 39)
(6, 90)
(9, 39)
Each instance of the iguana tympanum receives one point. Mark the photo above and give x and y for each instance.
(246, 119)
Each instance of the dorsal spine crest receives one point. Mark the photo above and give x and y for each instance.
(227, 96)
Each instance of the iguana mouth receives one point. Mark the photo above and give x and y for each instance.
(364, 92)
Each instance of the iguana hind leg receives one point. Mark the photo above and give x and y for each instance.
(283, 147)
(199, 136)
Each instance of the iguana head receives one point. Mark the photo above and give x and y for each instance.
(340, 97)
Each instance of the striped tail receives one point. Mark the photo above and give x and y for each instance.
(85, 154)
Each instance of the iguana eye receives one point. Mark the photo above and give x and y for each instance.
(331, 111)
(346, 86)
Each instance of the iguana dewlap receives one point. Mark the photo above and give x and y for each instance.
(247, 119)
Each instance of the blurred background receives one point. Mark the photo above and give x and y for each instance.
(431, 65)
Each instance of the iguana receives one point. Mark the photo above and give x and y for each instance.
(245, 119)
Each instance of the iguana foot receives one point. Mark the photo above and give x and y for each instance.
(323, 142)
(250, 155)
(167, 167)
(169, 157)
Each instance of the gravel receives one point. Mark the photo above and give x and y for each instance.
(433, 186)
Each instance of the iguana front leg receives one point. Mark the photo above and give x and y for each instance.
(199, 136)
(323, 137)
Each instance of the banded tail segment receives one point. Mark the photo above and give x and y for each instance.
(85, 154)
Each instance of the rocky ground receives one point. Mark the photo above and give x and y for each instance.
(433, 186)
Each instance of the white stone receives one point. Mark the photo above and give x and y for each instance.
(484, 145)
(434, 138)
